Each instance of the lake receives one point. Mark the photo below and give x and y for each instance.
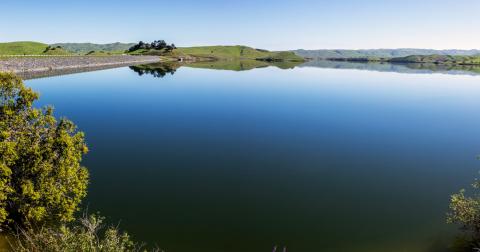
(320, 157)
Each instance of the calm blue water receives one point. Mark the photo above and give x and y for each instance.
(313, 159)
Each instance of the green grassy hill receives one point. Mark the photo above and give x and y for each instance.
(237, 52)
(22, 48)
(380, 53)
(439, 59)
(435, 59)
(83, 48)
(223, 53)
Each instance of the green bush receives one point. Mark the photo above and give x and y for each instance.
(41, 179)
(465, 211)
(87, 235)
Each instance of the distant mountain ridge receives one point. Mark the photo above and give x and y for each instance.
(380, 53)
(88, 47)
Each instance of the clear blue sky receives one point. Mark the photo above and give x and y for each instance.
(269, 24)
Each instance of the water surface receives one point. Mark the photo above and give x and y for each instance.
(314, 159)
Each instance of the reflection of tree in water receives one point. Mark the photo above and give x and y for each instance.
(158, 70)
(465, 212)
(413, 68)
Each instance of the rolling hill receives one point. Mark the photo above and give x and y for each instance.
(211, 53)
(380, 53)
(83, 48)
(238, 52)
(438, 59)
(22, 48)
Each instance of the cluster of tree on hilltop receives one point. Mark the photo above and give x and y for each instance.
(155, 45)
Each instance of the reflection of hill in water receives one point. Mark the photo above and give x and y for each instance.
(398, 68)
(240, 65)
(159, 70)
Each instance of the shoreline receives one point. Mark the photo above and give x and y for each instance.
(30, 65)
(67, 71)
(400, 61)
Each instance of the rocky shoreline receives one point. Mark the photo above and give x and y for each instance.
(30, 65)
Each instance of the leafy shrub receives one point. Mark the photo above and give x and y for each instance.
(41, 180)
(89, 234)
(465, 211)
(155, 45)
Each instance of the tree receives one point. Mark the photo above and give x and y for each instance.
(465, 211)
(157, 45)
(41, 179)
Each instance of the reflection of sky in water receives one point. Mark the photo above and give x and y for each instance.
(317, 159)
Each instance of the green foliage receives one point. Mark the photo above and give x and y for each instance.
(465, 211)
(86, 235)
(22, 48)
(55, 50)
(41, 179)
(158, 45)
(31, 48)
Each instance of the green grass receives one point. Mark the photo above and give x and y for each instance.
(22, 48)
(223, 53)
(199, 53)
(84, 48)
(31, 48)
(236, 52)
